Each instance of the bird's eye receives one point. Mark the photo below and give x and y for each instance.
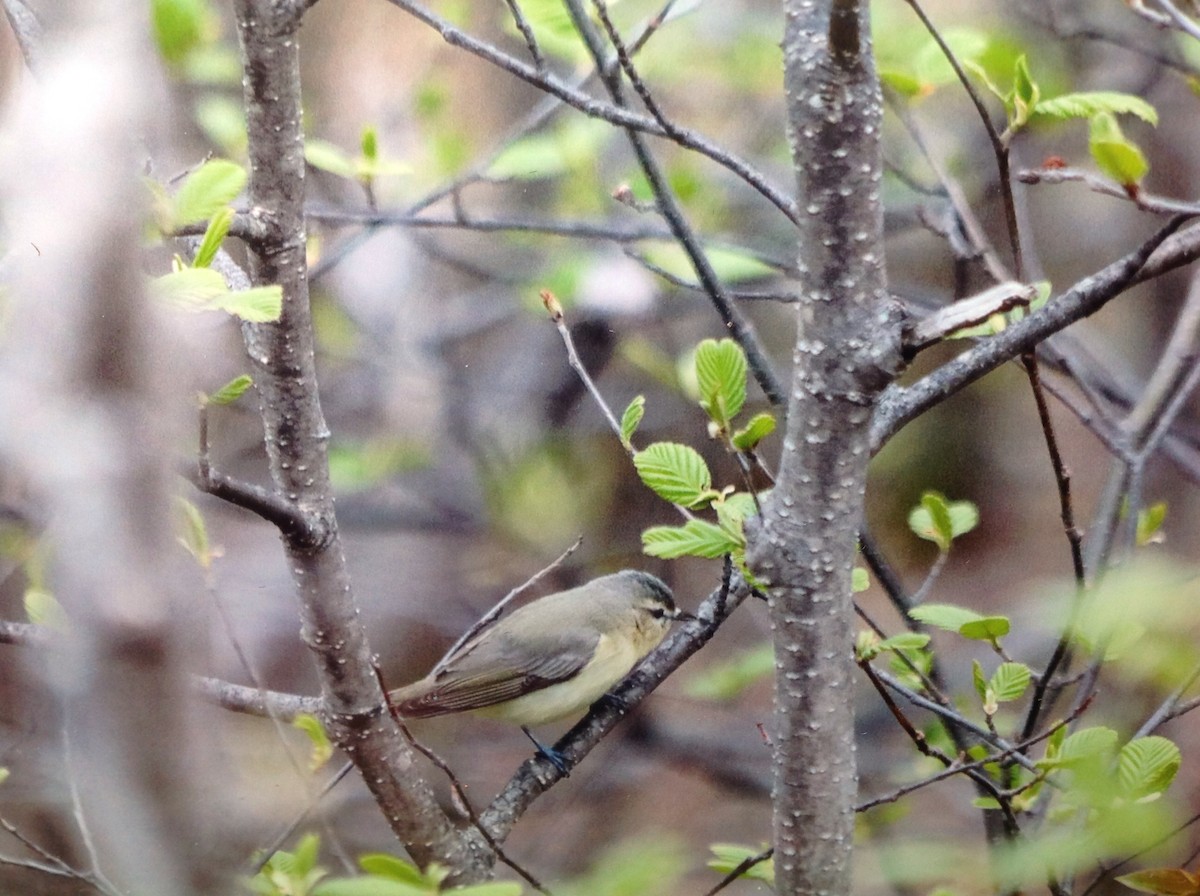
(658, 612)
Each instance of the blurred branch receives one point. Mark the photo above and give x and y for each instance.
(27, 30)
(1149, 202)
(595, 108)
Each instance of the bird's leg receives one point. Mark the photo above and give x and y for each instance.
(557, 759)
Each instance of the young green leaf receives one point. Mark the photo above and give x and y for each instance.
(1117, 156)
(941, 521)
(860, 581)
(1025, 94)
(978, 680)
(231, 391)
(676, 473)
(631, 418)
(760, 426)
(322, 748)
(1009, 681)
(986, 628)
(696, 538)
(944, 616)
(329, 157)
(1087, 104)
(903, 641)
(42, 608)
(369, 144)
(1147, 766)
(382, 864)
(1150, 520)
(214, 235)
(721, 376)
(207, 190)
(195, 533)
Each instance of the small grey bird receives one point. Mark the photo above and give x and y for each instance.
(552, 657)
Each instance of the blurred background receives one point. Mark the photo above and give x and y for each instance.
(467, 456)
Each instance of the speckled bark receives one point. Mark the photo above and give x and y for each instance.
(847, 349)
(296, 440)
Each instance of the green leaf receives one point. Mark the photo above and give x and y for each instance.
(721, 377)
(1147, 766)
(986, 628)
(195, 533)
(860, 581)
(207, 190)
(676, 473)
(322, 748)
(727, 679)
(1089, 103)
(930, 64)
(1025, 95)
(214, 235)
(231, 391)
(977, 679)
(1117, 156)
(369, 886)
(1150, 520)
(631, 418)
(730, 265)
(696, 538)
(760, 426)
(903, 641)
(944, 616)
(382, 864)
(490, 888)
(257, 305)
(42, 608)
(329, 157)
(1009, 681)
(369, 144)
(941, 521)
(1086, 745)
(179, 26)
(567, 147)
(727, 856)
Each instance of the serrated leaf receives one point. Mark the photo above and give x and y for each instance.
(322, 748)
(1009, 681)
(1147, 765)
(214, 235)
(986, 628)
(1089, 103)
(676, 473)
(944, 616)
(760, 426)
(721, 377)
(329, 157)
(1117, 156)
(696, 538)
(631, 418)
(231, 391)
(1164, 881)
(1086, 745)
(978, 679)
(207, 190)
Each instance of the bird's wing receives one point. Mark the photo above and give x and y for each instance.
(476, 677)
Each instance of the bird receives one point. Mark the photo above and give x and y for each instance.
(551, 658)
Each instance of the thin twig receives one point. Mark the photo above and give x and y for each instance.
(741, 868)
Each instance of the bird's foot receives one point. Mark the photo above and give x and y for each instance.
(551, 755)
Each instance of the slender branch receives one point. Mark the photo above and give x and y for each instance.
(594, 108)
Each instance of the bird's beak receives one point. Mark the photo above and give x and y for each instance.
(683, 616)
